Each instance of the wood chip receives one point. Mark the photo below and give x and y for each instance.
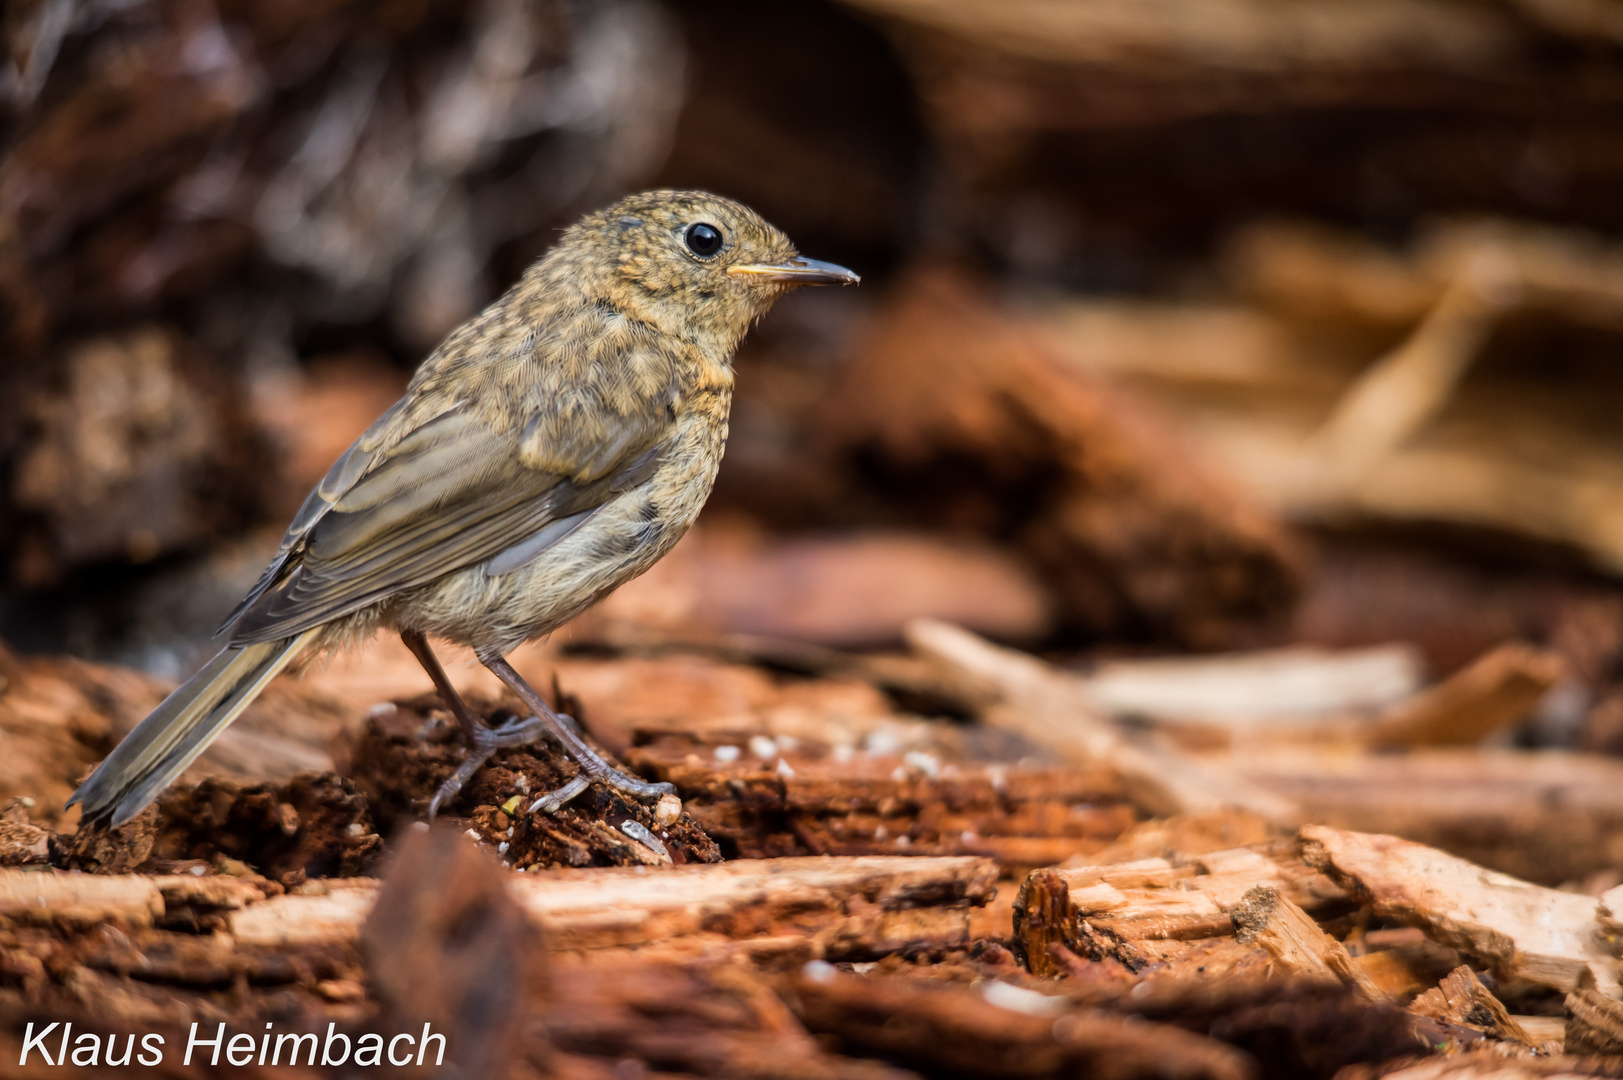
(846, 906)
(77, 900)
(1055, 711)
(1462, 999)
(1523, 930)
(1490, 694)
(1594, 1023)
(1296, 943)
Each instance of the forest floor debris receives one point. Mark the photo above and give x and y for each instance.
(900, 896)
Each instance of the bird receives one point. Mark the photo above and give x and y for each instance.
(550, 449)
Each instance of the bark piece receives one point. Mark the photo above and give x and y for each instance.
(1054, 711)
(692, 1019)
(848, 906)
(1462, 999)
(445, 944)
(1491, 694)
(313, 826)
(334, 914)
(1145, 913)
(22, 843)
(1547, 817)
(1295, 941)
(922, 801)
(1594, 1023)
(1521, 930)
(1003, 1031)
(1258, 689)
(1042, 912)
(1610, 910)
(77, 900)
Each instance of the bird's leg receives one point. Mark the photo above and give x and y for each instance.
(561, 728)
(482, 739)
(417, 642)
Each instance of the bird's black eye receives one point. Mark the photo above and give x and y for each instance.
(703, 240)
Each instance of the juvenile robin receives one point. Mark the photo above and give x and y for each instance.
(552, 448)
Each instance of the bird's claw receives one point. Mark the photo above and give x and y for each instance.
(483, 742)
(553, 801)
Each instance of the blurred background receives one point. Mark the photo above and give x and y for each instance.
(1183, 328)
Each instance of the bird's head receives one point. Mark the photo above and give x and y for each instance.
(693, 263)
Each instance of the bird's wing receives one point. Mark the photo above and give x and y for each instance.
(451, 493)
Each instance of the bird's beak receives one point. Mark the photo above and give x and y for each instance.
(795, 272)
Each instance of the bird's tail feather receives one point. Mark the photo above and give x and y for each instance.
(170, 738)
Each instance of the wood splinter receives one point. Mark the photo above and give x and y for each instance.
(1295, 942)
(1462, 999)
(1594, 1023)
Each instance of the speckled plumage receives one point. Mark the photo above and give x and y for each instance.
(549, 450)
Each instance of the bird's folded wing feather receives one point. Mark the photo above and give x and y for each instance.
(449, 494)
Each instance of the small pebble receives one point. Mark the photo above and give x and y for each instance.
(727, 754)
(473, 834)
(668, 810)
(355, 828)
(928, 764)
(501, 848)
(784, 768)
(881, 743)
(904, 841)
(510, 832)
(844, 752)
(420, 826)
(763, 747)
(200, 870)
(382, 708)
(1019, 999)
(523, 783)
(880, 833)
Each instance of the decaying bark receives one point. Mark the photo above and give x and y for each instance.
(1594, 1023)
(1522, 930)
(1298, 947)
(1002, 1031)
(1462, 999)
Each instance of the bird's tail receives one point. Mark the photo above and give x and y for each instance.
(161, 746)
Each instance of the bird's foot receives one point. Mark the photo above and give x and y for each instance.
(634, 786)
(594, 768)
(483, 742)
